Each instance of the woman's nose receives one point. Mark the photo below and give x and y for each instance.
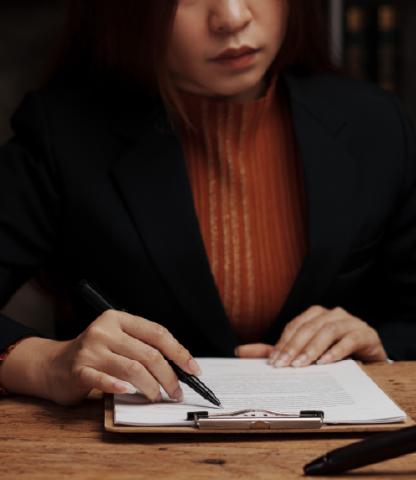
(229, 16)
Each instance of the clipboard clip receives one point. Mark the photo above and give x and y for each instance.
(257, 420)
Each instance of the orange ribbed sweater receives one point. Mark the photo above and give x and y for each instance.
(248, 192)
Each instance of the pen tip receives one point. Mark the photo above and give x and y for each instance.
(316, 467)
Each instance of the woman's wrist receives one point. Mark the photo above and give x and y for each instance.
(3, 355)
(25, 370)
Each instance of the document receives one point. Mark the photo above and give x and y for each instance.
(345, 393)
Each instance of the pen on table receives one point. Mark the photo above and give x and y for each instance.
(100, 304)
(366, 452)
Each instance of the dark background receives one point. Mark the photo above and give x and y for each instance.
(29, 36)
(29, 32)
(407, 55)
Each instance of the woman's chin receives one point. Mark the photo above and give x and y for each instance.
(237, 92)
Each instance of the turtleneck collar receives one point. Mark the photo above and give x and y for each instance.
(206, 112)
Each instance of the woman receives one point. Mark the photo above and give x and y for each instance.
(195, 161)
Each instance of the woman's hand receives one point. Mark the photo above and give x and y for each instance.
(323, 336)
(115, 349)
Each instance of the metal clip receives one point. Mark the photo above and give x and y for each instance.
(257, 420)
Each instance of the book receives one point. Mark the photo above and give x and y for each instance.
(387, 45)
(357, 52)
(343, 391)
(371, 41)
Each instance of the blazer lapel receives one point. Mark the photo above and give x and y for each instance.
(153, 181)
(332, 182)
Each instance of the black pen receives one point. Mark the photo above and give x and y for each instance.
(366, 452)
(100, 304)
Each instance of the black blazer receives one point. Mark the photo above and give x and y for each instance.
(94, 183)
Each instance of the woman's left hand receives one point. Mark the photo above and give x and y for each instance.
(320, 335)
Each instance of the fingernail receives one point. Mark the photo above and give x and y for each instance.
(236, 352)
(327, 358)
(159, 398)
(283, 360)
(273, 357)
(125, 387)
(194, 367)
(177, 394)
(301, 360)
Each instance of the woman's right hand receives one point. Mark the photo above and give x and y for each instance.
(116, 350)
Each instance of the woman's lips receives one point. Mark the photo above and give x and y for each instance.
(237, 58)
(240, 60)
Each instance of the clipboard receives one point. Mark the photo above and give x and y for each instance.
(296, 424)
(308, 421)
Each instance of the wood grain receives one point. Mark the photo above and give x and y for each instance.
(39, 440)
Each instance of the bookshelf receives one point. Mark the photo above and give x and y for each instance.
(375, 40)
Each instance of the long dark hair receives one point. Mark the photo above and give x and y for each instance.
(129, 37)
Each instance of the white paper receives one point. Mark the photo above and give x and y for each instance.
(342, 390)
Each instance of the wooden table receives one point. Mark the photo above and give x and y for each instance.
(39, 440)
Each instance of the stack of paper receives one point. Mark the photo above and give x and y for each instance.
(342, 390)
